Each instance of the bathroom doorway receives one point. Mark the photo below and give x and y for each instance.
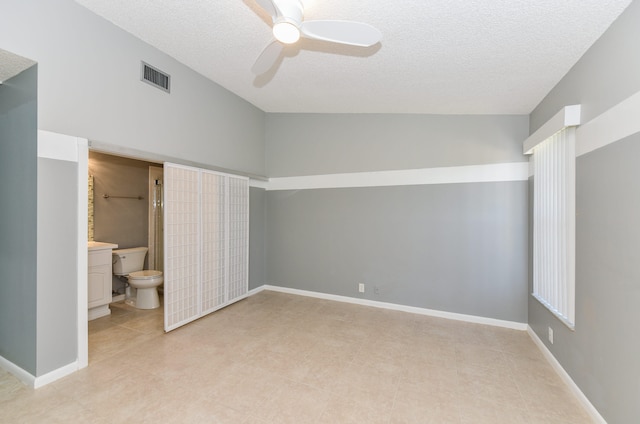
(125, 209)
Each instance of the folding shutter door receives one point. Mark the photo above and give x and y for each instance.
(206, 242)
(213, 241)
(182, 240)
(238, 238)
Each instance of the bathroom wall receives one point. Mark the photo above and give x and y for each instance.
(90, 208)
(121, 221)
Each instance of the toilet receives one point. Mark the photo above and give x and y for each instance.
(129, 263)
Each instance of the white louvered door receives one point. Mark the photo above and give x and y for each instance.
(207, 270)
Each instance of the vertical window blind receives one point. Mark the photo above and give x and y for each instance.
(554, 224)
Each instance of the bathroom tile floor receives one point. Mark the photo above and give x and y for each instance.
(279, 358)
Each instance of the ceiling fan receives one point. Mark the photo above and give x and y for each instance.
(289, 26)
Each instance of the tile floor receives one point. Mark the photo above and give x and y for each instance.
(279, 358)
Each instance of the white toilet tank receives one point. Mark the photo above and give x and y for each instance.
(126, 261)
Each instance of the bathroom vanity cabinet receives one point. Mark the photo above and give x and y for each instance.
(99, 279)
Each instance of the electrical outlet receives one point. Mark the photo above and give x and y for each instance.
(376, 290)
(550, 335)
(361, 288)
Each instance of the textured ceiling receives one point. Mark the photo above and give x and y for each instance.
(12, 64)
(436, 56)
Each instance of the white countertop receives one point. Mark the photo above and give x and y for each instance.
(99, 245)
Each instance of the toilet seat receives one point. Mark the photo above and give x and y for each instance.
(146, 274)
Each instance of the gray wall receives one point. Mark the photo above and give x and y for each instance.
(257, 237)
(601, 355)
(451, 247)
(57, 264)
(311, 144)
(454, 247)
(18, 191)
(605, 75)
(89, 87)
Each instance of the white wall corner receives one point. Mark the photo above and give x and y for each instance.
(568, 116)
(566, 378)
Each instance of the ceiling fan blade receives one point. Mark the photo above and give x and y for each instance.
(270, 7)
(343, 32)
(267, 58)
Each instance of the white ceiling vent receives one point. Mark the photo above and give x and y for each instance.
(155, 77)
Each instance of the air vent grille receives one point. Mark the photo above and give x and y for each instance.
(155, 77)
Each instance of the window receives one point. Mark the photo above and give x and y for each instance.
(554, 224)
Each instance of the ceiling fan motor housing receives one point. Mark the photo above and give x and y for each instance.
(286, 25)
(290, 11)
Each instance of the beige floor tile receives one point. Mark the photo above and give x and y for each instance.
(428, 410)
(478, 355)
(10, 387)
(278, 358)
(347, 410)
(148, 324)
(474, 411)
(242, 388)
(293, 403)
(32, 405)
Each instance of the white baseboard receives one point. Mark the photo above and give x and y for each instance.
(384, 305)
(54, 375)
(98, 312)
(255, 291)
(26, 377)
(588, 406)
(36, 382)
